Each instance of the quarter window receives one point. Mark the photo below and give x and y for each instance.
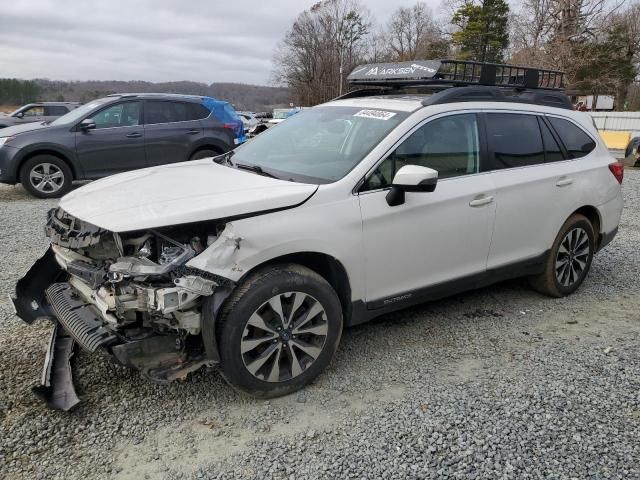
(125, 114)
(576, 141)
(448, 145)
(197, 112)
(515, 140)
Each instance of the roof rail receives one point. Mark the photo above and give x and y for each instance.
(156, 94)
(547, 98)
(455, 72)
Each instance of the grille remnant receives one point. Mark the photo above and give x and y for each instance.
(80, 319)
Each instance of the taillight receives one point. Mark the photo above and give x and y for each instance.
(233, 126)
(618, 171)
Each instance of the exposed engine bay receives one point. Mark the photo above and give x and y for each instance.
(129, 294)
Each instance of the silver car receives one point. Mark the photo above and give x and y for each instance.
(38, 112)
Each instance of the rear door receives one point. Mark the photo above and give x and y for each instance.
(533, 186)
(172, 130)
(117, 142)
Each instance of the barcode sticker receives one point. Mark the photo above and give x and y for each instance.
(377, 114)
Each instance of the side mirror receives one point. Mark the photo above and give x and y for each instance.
(87, 124)
(20, 115)
(411, 178)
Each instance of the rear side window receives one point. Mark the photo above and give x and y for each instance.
(552, 151)
(515, 140)
(55, 110)
(167, 111)
(576, 141)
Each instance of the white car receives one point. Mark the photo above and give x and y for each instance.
(256, 260)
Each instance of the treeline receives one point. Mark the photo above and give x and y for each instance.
(18, 92)
(595, 42)
(242, 96)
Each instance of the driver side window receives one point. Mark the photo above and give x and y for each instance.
(33, 111)
(126, 114)
(449, 145)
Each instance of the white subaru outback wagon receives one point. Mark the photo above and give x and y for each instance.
(434, 178)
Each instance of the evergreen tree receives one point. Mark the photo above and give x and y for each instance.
(483, 33)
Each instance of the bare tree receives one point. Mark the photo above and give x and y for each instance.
(564, 34)
(411, 31)
(323, 43)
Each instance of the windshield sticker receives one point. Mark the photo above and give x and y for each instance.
(377, 114)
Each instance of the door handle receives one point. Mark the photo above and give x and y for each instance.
(134, 135)
(564, 181)
(481, 200)
(193, 131)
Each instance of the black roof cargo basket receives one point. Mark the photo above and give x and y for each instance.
(475, 81)
(454, 72)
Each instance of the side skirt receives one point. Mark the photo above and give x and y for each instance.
(365, 311)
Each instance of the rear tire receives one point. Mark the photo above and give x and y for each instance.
(200, 154)
(569, 259)
(46, 176)
(278, 331)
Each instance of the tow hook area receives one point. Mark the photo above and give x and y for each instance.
(56, 388)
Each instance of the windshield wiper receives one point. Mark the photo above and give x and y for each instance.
(257, 169)
(225, 158)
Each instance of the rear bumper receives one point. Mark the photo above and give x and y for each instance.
(610, 213)
(607, 238)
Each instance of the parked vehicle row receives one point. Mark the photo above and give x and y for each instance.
(116, 134)
(252, 124)
(257, 259)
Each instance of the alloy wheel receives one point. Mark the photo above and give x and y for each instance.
(573, 255)
(284, 336)
(46, 177)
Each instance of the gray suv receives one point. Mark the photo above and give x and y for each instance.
(37, 112)
(115, 134)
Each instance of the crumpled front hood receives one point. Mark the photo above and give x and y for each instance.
(180, 193)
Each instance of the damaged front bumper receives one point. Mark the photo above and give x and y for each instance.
(80, 319)
(56, 385)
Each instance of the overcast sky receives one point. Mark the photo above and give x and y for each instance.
(155, 40)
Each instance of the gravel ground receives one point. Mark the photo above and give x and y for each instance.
(497, 383)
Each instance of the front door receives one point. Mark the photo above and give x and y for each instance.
(31, 114)
(116, 144)
(433, 237)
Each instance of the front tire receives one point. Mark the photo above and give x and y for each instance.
(278, 331)
(46, 176)
(569, 260)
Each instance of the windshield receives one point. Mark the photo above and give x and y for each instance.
(75, 115)
(319, 145)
